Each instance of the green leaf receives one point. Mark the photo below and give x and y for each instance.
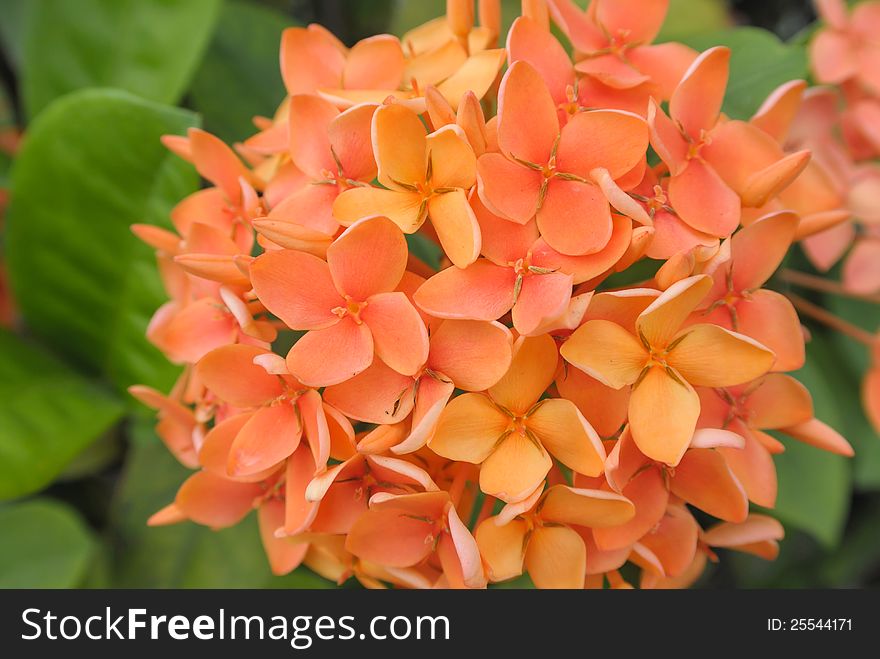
(815, 486)
(686, 18)
(184, 555)
(240, 76)
(48, 415)
(759, 63)
(148, 47)
(93, 165)
(848, 368)
(46, 545)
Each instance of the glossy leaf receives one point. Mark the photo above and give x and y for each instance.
(148, 47)
(48, 415)
(93, 165)
(45, 545)
(239, 75)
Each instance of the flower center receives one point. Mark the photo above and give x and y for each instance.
(352, 308)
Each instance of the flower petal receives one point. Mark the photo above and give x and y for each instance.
(542, 297)
(456, 226)
(399, 335)
(610, 139)
(647, 491)
(310, 59)
(580, 507)
(368, 258)
(368, 538)
(606, 352)
(711, 356)
(399, 144)
(377, 395)
(502, 547)
(473, 354)
(231, 374)
(696, 102)
(329, 356)
(404, 208)
(556, 558)
(769, 318)
(482, 291)
(605, 408)
(376, 62)
(351, 141)
(214, 501)
(453, 164)
(529, 42)
(660, 321)
(704, 480)
(575, 218)
(269, 436)
(507, 188)
(531, 372)
(524, 100)
(515, 468)
(704, 200)
(310, 117)
(663, 413)
(468, 429)
(563, 431)
(296, 287)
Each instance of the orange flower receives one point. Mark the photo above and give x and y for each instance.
(512, 432)
(347, 304)
(313, 60)
(847, 47)
(521, 273)
(421, 524)
(463, 354)
(737, 300)
(566, 178)
(424, 176)
(612, 42)
(716, 165)
(661, 361)
(538, 535)
(333, 150)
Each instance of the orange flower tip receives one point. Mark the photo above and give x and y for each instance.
(716, 438)
(170, 514)
(179, 145)
(274, 364)
(146, 395)
(156, 237)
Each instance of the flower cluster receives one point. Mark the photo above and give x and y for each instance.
(514, 409)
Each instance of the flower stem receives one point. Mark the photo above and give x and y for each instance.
(815, 283)
(830, 320)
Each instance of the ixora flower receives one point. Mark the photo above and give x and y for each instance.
(404, 337)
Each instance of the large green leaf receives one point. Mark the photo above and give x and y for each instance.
(184, 555)
(48, 415)
(45, 545)
(759, 63)
(240, 76)
(93, 165)
(148, 47)
(814, 486)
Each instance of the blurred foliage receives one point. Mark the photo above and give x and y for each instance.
(92, 286)
(92, 165)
